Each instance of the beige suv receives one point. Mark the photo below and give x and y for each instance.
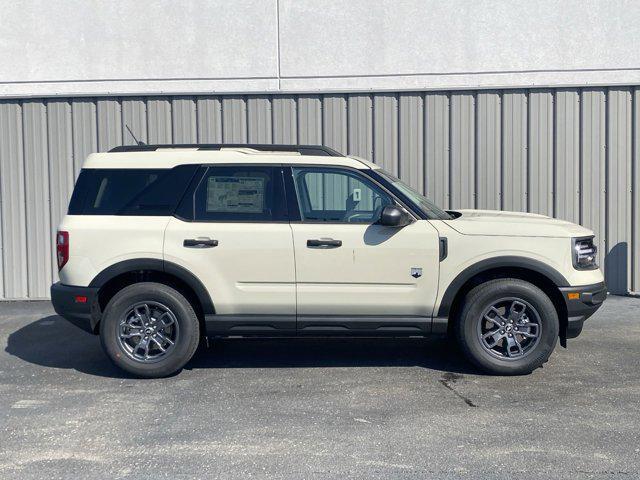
(164, 245)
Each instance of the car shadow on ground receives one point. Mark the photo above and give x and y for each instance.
(53, 342)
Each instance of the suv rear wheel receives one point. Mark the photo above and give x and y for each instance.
(149, 330)
(507, 326)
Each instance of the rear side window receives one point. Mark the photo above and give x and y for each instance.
(144, 192)
(237, 194)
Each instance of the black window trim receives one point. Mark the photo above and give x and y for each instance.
(291, 192)
(201, 173)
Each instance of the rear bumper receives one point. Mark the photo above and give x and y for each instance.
(588, 300)
(84, 315)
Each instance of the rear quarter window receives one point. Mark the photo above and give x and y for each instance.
(143, 192)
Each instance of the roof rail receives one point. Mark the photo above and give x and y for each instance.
(318, 150)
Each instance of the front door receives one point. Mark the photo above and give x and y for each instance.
(234, 235)
(353, 275)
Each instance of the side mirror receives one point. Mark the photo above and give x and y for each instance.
(394, 216)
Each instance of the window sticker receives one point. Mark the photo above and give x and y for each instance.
(235, 194)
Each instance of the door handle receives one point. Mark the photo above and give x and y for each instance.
(199, 242)
(324, 242)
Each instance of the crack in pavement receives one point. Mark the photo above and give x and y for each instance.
(448, 380)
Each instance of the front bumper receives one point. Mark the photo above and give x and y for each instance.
(582, 302)
(67, 302)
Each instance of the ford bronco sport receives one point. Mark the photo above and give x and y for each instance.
(165, 245)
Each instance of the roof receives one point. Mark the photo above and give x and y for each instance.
(168, 156)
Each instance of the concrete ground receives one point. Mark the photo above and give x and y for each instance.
(312, 408)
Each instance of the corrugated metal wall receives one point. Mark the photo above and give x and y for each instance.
(569, 153)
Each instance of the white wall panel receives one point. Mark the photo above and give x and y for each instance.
(541, 153)
(514, 151)
(159, 120)
(38, 212)
(488, 153)
(334, 122)
(436, 147)
(310, 119)
(567, 153)
(259, 119)
(183, 116)
(411, 139)
(385, 131)
(99, 48)
(209, 117)
(134, 121)
(14, 203)
(109, 124)
(619, 207)
(84, 124)
(463, 150)
(234, 119)
(285, 120)
(360, 126)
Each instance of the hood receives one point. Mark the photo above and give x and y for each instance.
(514, 224)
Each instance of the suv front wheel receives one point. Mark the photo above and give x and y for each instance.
(507, 326)
(149, 329)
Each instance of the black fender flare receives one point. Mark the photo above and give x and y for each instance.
(496, 262)
(157, 265)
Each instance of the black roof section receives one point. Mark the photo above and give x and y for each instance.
(318, 150)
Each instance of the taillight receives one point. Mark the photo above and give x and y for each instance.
(62, 248)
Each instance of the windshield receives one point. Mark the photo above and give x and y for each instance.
(425, 205)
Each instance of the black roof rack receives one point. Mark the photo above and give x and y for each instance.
(318, 150)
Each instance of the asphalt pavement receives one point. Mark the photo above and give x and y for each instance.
(318, 408)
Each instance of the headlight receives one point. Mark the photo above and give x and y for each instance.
(584, 254)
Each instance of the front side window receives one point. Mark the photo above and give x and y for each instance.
(241, 193)
(338, 196)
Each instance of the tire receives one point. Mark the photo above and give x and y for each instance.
(176, 332)
(514, 353)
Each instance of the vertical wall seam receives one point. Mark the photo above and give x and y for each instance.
(145, 102)
(634, 192)
(580, 156)
(554, 150)
(24, 186)
(346, 123)
(527, 160)
(501, 140)
(323, 135)
(3, 277)
(298, 119)
(425, 148)
(374, 154)
(245, 101)
(606, 177)
(449, 154)
(476, 118)
(49, 168)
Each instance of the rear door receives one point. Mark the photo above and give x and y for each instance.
(233, 234)
(354, 275)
